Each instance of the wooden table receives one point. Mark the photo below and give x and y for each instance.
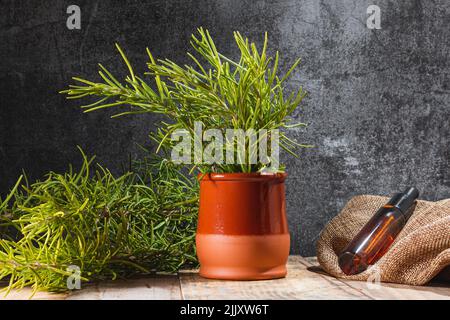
(305, 280)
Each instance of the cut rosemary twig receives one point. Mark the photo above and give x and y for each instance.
(216, 90)
(107, 226)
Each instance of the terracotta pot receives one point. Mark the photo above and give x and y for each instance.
(242, 231)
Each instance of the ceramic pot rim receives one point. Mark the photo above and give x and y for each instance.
(240, 176)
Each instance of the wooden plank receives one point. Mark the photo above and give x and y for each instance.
(26, 294)
(300, 283)
(148, 288)
(390, 291)
(305, 280)
(161, 287)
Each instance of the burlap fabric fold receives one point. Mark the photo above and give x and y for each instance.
(420, 252)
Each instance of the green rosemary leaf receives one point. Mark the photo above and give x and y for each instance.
(109, 227)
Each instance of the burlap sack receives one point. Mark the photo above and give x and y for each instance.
(420, 252)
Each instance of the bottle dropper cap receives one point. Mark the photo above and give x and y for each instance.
(405, 200)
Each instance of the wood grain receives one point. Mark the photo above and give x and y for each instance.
(299, 284)
(305, 280)
(27, 294)
(390, 291)
(150, 288)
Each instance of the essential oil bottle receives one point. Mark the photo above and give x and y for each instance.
(375, 238)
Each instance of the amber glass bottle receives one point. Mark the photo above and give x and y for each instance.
(377, 235)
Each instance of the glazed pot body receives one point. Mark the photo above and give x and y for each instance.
(242, 231)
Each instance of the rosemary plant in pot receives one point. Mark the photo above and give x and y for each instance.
(224, 117)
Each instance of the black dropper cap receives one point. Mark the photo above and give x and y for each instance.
(404, 201)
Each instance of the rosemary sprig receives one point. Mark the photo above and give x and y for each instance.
(107, 226)
(216, 90)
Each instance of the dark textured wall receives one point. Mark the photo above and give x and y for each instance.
(378, 103)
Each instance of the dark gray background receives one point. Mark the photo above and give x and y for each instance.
(378, 106)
